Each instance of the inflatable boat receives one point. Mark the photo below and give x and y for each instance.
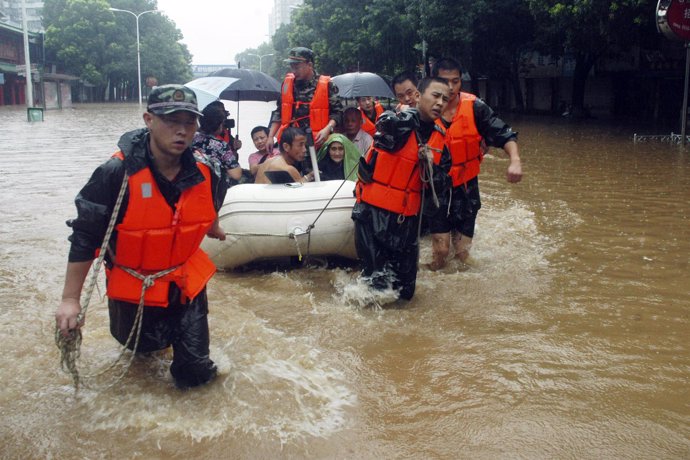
(265, 221)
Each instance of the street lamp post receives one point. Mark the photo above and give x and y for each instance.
(260, 57)
(137, 16)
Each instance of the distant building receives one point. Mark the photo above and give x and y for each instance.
(282, 10)
(50, 88)
(202, 70)
(11, 13)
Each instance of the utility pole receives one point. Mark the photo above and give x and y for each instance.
(27, 61)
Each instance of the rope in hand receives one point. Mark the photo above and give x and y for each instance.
(426, 172)
(70, 345)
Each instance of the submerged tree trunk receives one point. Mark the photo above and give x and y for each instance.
(515, 83)
(583, 65)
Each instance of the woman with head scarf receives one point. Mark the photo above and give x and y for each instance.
(338, 158)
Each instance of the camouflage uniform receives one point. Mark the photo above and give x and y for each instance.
(304, 92)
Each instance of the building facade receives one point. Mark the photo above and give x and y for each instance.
(11, 13)
(282, 10)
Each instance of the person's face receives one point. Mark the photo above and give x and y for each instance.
(337, 151)
(433, 101)
(260, 138)
(366, 103)
(406, 93)
(454, 81)
(302, 70)
(352, 123)
(171, 134)
(297, 150)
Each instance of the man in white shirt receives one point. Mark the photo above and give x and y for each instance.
(352, 128)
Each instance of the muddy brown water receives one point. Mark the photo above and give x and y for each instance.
(566, 336)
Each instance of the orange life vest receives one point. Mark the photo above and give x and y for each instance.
(369, 126)
(318, 106)
(397, 184)
(224, 136)
(152, 238)
(463, 141)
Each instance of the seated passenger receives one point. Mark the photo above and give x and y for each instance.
(352, 128)
(338, 158)
(260, 137)
(283, 168)
(219, 153)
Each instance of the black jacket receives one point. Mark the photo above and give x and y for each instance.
(96, 200)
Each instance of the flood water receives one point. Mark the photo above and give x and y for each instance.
(567, 336)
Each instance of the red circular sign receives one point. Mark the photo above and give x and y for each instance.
(673, 19)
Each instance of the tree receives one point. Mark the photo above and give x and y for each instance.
(375, 35)
(99, 45)
(501, 32)
(80, 38)
(589, 30)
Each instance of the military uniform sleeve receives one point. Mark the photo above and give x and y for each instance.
(495, 131)
(219, 188)
(335, 105)
(95, 203)
(275, 115)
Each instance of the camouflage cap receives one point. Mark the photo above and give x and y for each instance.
(300, 54)
(172, 98)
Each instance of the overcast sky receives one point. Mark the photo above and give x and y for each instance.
(216, 30)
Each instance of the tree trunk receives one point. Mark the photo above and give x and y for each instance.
(583, 64)
(515, 83)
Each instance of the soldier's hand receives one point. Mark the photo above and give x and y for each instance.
(66, 315)
(322, 135)
(514, 174)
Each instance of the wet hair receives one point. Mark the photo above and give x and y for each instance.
(214, 115)
(257, 129)
(402, 77)
(445, 64)
(289, 135)
(426, 81)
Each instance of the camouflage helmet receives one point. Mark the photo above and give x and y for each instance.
(167, 99)
(300, 54)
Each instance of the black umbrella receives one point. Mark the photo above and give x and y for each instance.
(360, 84)
(252, 85)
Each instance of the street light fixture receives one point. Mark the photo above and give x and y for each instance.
(260, 57)
(137, 16)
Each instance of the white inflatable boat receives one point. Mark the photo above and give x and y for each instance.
(270, 221)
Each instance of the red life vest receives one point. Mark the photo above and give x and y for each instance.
(463, 141)
(367, 125)
(318, 106)
(152, 238)
(397, 184)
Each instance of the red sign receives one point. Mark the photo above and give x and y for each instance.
(673, 19)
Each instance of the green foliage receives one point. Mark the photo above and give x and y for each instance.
(84, 38)
(596, 27)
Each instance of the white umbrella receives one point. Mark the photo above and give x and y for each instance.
(208, 89)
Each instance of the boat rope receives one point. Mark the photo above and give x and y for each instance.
(313, 224)
(70, 344)
(426, 172)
